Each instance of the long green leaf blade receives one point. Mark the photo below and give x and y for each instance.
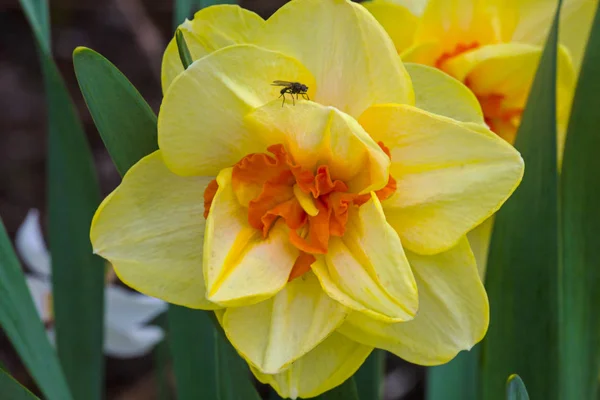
(13, 390)
(370, 375)
(37, 14)
(184, 52)
(77, 274)
(125, 121)
(73, 195)
(21, 323)
(193, 343)
(234, 374)
(580, 200)
(522, 277)
(515, 389)
(457, 380)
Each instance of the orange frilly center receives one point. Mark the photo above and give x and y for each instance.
(502, 120)
(313, 205)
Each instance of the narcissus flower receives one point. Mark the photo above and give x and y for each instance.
(494, 48)
(316, 230)
(127, 314)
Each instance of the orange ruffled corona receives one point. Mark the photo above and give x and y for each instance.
(272, 181)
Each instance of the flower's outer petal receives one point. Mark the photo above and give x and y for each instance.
(508, 70)
(30, 245)
(416, 7)
(439, 93)
(135, 341)
(274, 333)
(151, 229)
(125, 308)
(326, 366)
(492, 69)
(535, 18)
(352, 58)
(449, 177)
(574, 28)
(422, 53)
(200, 124)
(41, 293)
(453, 312)
(320, 135)
(366, 269)
(454, 23)
(240, 266)
(211, 29)
(397, 20)
(479, 239)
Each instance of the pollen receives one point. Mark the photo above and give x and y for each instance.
(312, 204)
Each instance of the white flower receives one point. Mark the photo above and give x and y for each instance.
(126, 313)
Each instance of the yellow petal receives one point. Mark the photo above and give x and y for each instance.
(450, 178)
(439, 93)
(479, 239)
(211, 29)
(200, 124)
(423, 53)
(508, 70)
(398, 21)
(367, 270)
(535, 18)
(276, 332)
(319, 135)
(353, 60)
(453, 312)
(240, 266)
(328, 365)
(458, 22)
(151, 229)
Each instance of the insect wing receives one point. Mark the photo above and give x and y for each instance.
(282, 83)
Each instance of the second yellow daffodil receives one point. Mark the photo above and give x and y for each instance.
(315, 229)
(493, 47)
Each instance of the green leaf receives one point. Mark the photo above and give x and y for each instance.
(13, 390)
(234, 374)
(162, 360)
(77, 274)
(523, 266)
(580, 200)
(515, 388)
(204, 362)
(456, 380)
(73, 195)
(37, 15)
(193, 343)
(184, 52)
(20, 322)
(369, 376)
(346, 391)
(124, 120)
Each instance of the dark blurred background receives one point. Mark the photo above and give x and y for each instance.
(132, 34)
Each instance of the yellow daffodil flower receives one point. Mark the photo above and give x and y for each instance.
(315, 229)
(493, 47)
